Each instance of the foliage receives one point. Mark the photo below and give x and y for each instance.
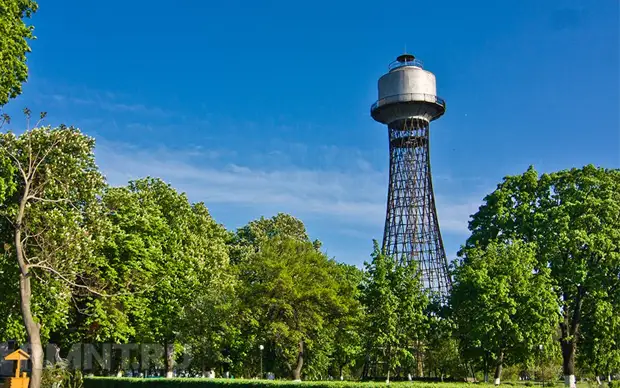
(502, 304)
(209, 324)
(58, 167)
(251, 237)
(58, 375)
(165, 258)
(49, 227)
(442, 354)
(600, 350)
(289, 297)
(348, 332)
(394, 306)
(14, 35)
(573, 217)
(141, 263)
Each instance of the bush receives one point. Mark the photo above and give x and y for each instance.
(614, 384)
(59, 375)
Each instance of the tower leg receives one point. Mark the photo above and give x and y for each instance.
(411, 227)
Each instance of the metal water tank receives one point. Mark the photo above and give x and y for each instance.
(407, 91)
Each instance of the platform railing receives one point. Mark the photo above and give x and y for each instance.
(407, 97)
(397, 64)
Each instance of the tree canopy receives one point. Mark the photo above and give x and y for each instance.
(573, 218)
(50, 225)
(503, 306)
(14, 36)
(394, 305)
(85, 262)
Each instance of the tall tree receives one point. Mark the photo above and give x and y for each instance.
(290, 296)
(51, 219)
(167, 249)
(394, 305)
(14, 36)
(573, 217)
(503, 304)
(349, 325)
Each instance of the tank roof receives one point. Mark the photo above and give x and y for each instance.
(405, 58)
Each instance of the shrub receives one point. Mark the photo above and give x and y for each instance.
(614, 384)
(60, 375)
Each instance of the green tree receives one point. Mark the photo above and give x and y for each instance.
(210, 326)
(442, 352)
(14, 36)
(49, 225)
(348, 326)
(289, 295)
(572, 217)
(251, 237)
(502, 303)
(163, 252)
(394, 306)
(600, 350)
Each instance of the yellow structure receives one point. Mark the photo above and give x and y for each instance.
(17, 381)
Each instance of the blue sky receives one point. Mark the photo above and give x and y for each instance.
(261, 107)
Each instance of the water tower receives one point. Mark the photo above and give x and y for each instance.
(407, 104)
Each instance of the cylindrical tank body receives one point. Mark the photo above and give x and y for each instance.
(407, 80)
(407, 91)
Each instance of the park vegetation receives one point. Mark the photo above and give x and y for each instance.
(87, 268)
(535, 287)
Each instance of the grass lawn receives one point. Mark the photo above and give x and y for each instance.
(102, 382)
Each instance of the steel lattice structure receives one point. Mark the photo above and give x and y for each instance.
(411, 227)
(407, 104)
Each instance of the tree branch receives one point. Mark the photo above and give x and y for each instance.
(34, 171)
(19, 166)
(82, 286)
(47, 200)
(62, 277)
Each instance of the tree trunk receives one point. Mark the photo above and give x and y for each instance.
(498, 367)
(568, 341)
(569, 349)
(300, 362)
(169, 360)
(568, 362)
(420, 360)
(366, 367)
(33, 330)
(25, 292)
(486, 366)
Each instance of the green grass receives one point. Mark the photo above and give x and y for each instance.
(98, 382)
(108, 382)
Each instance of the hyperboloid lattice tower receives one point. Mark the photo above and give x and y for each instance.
(407, 103)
